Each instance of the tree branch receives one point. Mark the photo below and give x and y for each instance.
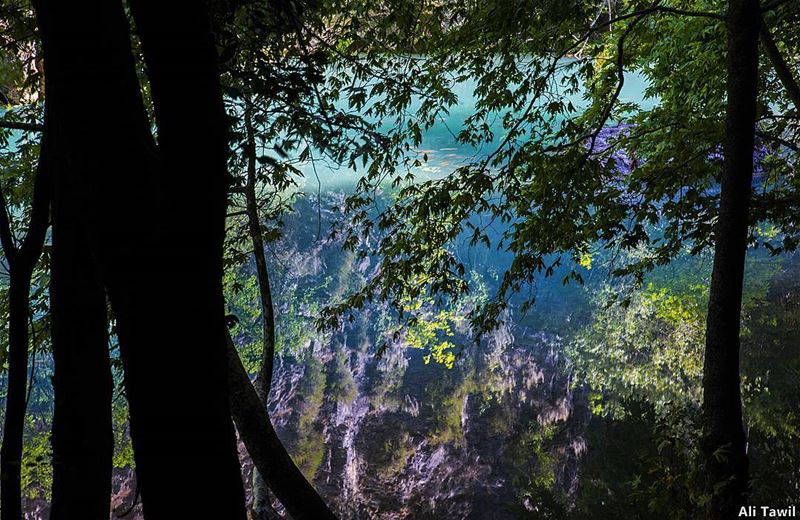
(778, 140)
(779, 64)
(651, 10)
(769, 6)
(684, 12)
(6, 237)
(32, 244)
(269, 456)
(17, 125)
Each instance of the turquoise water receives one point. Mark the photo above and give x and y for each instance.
(440, 144)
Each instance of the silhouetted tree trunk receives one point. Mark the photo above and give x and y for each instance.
(174, 347)
(724, 440)
(11, 452)
(87, 55)
(263, 382)
(21, 262)
(154, 224)
(269, 456)
(82, 436)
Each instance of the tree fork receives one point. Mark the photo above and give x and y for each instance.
(21, 261)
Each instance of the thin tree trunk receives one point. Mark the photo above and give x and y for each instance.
(13, 429)
(263, 381)
(261, 500)
(724, 440)
(21, 263)
(269, 456)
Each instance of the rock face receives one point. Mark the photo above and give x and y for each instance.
(397, 438)
(391, 436)
(499, 435)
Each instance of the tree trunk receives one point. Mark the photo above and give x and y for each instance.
(86, 49)
(21, 263)
(269, 456)
(174, 347)
(82, 436)
(263, 381)
(155, 229)
(724, 440)
(261, 501)
(13, 429)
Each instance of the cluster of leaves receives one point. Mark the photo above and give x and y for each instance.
(642, 367)
(653, 348)
(283, 97)
(293, 328)
(563, 163)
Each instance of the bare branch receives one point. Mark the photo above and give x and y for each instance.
(779, 64)
(651, 10)
(684, 12)
(17, 125)
(778, 140)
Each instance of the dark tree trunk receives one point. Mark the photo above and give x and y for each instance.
(155, 229)
(269, 456)
(21, 263)
(11, 452)
(261, 501)
(263, 380)
(174, 347)
(82, 436)
(87, 54)
(724, 440)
